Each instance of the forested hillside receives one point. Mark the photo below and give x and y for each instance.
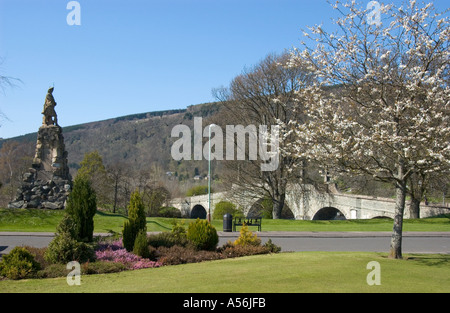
(138, 140)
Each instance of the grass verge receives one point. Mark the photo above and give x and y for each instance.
(31, 220)
(283, 272)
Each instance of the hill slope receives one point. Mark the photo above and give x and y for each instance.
(138, 140)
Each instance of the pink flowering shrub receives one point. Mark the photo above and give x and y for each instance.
(115, 252)
(113, 245)
(145, 263)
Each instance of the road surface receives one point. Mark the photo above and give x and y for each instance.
(413, 242)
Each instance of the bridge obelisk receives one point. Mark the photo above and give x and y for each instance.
(47, 183)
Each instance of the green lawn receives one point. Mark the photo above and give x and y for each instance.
(428, 224)
(46, 220)
(283, 272)
(31, 220)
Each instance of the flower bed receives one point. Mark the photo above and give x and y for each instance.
(167, 248)
(115, 252)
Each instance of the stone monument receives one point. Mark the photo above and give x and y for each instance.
(47, 183)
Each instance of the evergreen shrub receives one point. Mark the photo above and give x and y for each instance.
(224, 207)
(82, 206)
(136, 212)
(18, 264)
(246, 237)
(136, 221)
(169, 212)
(202, 235)
(128, 235)
(65, 247)
(141, 246)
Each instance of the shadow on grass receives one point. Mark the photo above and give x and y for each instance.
(102, 213)
(158, 224)
(430, 260)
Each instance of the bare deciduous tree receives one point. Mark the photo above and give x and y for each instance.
(263, 95)
(15, 159)
(6, 81)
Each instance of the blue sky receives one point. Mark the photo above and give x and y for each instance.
(137, 56)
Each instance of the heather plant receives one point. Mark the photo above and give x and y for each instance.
(120, 256)
(182, 255)
(110, 244)
(235, 251)
(144, 263)
(114, 252)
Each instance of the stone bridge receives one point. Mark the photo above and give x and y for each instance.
(306, 203)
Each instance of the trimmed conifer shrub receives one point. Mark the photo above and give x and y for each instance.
(136, 221)
(246, 237)
(65, 247)
(128, 235)
(18, 264)
(136, 211)
(202, 235)
(141, 245)
(82, 206)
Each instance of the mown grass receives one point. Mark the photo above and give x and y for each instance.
(426, 224)
(283, 272)
(32, 220)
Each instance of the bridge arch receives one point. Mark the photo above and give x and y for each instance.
(198, 211)
(329, 213)
(306, 202)
(263, 207)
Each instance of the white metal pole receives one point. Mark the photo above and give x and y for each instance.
(209, 174)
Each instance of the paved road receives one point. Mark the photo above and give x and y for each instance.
(413, 242)
(9, 240)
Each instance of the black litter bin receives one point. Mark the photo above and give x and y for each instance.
(227, 222)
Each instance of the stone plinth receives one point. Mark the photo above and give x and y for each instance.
(51, 155)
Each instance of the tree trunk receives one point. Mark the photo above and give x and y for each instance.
(278, 205)
(417, 185)
(396, 239)
(414, 208)
(116, 189)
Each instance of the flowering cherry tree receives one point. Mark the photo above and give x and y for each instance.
(380, 101)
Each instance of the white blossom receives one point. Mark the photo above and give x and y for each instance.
(380, 104)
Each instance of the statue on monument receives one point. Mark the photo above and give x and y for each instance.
(47, 183)
(49, 112)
